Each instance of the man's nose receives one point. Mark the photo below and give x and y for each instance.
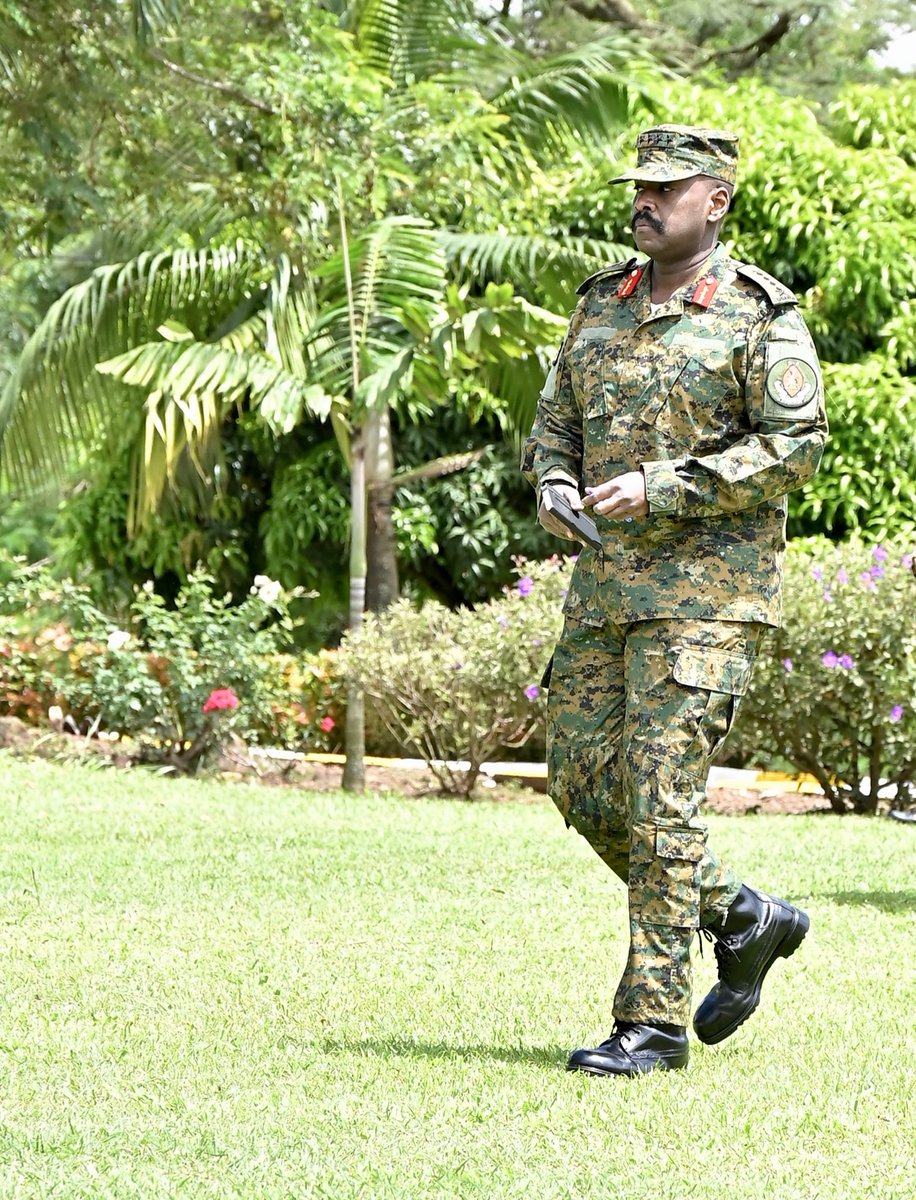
(643, 200)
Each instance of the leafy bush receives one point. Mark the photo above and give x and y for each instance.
(457, 687)
(834, 692)
(308, 703)
(867, 481)
(178, 680)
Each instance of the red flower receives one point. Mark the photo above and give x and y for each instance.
(221, 698)
(327, 724)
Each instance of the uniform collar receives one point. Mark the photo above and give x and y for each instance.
(699, 293)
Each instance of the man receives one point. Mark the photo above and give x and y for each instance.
(685, 402)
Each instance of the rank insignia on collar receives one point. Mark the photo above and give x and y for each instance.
(628, 287)
(705, 290)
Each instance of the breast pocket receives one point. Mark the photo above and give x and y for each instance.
(690, 405)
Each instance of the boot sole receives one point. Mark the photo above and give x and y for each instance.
(785, 948)
(659, 1065)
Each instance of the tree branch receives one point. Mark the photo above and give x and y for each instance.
(216, 85)
(615, 12)
(754, 50)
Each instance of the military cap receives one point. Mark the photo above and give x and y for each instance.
(667, 153)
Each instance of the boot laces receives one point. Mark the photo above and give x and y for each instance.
(725, 952)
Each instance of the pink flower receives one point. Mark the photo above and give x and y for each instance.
(326, 724)
(525, 586)
(830, 659)
(532, 691)
(846, 662)
(817, 573)
(896, 713)
(907, 562)
(787, 664)
(219, 699)
(879, 553)
(828, 596)
(842, 576)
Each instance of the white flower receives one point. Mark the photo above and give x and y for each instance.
(56, 715)
(118, 639)
(267, 589)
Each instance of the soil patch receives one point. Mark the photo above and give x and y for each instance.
(237, 765)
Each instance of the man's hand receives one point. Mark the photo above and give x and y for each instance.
(620, 498)
(549, 522)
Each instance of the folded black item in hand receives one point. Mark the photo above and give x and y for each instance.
(574, 519)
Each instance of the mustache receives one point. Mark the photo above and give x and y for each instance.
(652, 222)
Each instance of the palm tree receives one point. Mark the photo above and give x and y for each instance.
(343, 338)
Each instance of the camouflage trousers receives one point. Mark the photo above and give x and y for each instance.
(636, 713)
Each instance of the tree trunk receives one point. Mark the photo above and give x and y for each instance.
(381, 545)
(354, 774)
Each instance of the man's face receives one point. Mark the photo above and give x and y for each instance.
(671, 221)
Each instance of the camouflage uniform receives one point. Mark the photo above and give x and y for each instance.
(716, 396)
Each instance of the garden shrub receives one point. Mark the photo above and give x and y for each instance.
(179, 680)
(457, 687)
(834, 692)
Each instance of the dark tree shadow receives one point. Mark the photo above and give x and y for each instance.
(903, 901)
(407, 1047)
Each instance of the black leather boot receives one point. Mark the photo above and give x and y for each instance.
(635, 1049)
(756, 931)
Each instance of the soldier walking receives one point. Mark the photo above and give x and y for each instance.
(686, 401)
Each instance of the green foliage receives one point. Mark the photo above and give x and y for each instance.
(457, 687)
(869, 116)
(834, 692)
(867, 480)
(153, 681)
(457, 535)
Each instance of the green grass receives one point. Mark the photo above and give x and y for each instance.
(229, 991)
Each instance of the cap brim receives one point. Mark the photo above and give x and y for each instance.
(653, 175)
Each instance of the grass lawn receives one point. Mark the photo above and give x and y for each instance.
(229, 991)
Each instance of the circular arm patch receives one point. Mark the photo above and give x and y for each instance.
(791, 383)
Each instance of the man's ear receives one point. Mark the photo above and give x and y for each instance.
(719, 201)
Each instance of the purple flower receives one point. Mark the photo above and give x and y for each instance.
(787, 664)
(896, 713)
(456, 666)
(525, 585)
(817, 573)
(536, 642)
(532, 691)
(842, 576)
(876, 572)
(503, 622)
(846, 662)
(879, 553)
(830, 659)
(828, 596)
(907, 562)
(868, 581)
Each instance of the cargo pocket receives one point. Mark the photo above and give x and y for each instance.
(725, 676)
(669, 890)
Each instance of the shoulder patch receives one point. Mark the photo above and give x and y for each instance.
(619, 268)
(777, 293)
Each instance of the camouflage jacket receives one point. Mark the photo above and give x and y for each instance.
(717, 397)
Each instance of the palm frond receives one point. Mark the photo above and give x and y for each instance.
(403, 39)
(151, 16)
(587, 93)
(547, 267)
(56, 404)
(399, 273)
